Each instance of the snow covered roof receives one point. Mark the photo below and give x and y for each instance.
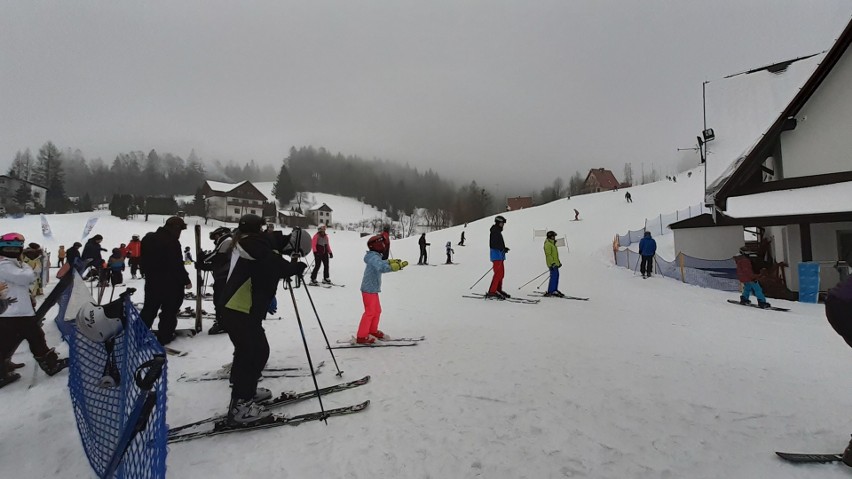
(741, 108)
(290, 213)
(220, 187)
(814, 200)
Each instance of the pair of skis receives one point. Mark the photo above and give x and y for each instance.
(513, 299)
(177, 434)
(380, 343)
(267, 373)
(575, 298)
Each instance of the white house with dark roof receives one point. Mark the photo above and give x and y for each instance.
(782, 157)
(227, 201)
(9, 186)
(321, 215)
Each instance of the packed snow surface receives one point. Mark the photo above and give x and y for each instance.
(649, 378)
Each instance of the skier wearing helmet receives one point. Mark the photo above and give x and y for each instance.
(551, 257)
(371, 286)
(19, 320)
(498, 255)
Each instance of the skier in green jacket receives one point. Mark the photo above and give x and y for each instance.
(551, 256)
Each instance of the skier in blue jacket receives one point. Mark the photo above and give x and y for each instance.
(647, 249)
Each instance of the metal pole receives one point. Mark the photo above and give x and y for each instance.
(480, 279)
(530, 281)
(308, 292)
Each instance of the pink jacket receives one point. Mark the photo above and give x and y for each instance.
(314, 244)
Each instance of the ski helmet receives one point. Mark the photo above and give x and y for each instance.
(551, 234)
(100, 323)
(11, 245)
(376, 243)
(499, 219)
(220, 231)
(250, 223)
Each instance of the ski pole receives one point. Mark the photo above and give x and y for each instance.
(480, 279)
(542, 283)
(308, 292)
(111, 293)
(307, 351)
(637, 263)
(530, 281)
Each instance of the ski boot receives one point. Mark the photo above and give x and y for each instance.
(313, 283)
(245, 413)
(763, 305)
(216, 329)
(261, 394)
(367, 340)
(744, 301)
(8, 378)
(490, 295)
(378, 334)
(326, 281)
(504, 294)
(51, 364)
(11, 366)
(558, 293)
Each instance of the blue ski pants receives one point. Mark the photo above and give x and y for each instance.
(753, 287)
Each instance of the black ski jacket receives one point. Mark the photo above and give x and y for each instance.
(162, 259)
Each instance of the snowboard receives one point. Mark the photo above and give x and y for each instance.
(773, 308)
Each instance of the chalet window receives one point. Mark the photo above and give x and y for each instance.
(236, 211)
(36, 194)
(253, 212)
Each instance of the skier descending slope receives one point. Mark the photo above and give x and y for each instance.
(371, 286)
(250, 284)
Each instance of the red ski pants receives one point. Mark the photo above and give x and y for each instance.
(497, 280)
(372, 312)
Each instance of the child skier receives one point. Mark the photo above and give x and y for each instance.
(187, 256)
(749, 280)
(115, 264)
(371, 286)
(19, 321)
(551, 257)
(450, 252)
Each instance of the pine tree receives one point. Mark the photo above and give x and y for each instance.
(23, 196)
(283, 189)
(85, 203)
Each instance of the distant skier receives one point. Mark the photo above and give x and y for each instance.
(498, 256)
(450, 252)
(134, 256)
(371, 286)
(551, 257)
(60, 255)
(838, 311)
(647, 249)
(322, 253)
(461, 242)
(187, 256)
(746, 276)
(628, 197)
(424, 259)
(576, 215)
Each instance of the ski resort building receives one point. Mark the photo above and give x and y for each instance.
(781, 159)
(519, 203)
(599, 179)
(321, 215)
(227, 202)
(292, 219)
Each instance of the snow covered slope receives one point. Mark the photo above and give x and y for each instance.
(648, 379)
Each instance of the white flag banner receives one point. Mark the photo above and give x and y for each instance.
(45, 227)
(77, 297)
(89, 225)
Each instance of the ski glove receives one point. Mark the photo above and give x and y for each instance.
(505, 250)
(396, 264)
(330, 255)
(273, 306)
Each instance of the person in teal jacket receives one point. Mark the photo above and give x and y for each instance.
(371, 286)
(551, 257)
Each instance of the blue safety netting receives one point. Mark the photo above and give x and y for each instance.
(102, 412)
(715, 274)
(659, 225)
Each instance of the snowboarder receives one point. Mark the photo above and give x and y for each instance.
(250, 280)
(628, 197)
(187, 256)
(551, 257)
(746, 276)
(498, 256)
(134, 255)
(19, 321)
(165, 277)
(60, 256)
(647, 249)
(576, 215)
(838, 311)
(424, 259)
(450, 252)
(461, 242)
(322, 253)
(216, 260)
(386, 236)
(371, 286)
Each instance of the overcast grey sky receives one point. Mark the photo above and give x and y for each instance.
(504, 92)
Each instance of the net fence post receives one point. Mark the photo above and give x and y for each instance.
(681, 261)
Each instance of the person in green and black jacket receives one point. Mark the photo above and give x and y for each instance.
(250, 281)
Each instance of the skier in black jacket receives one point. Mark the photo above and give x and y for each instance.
(254, 269)
(423, 244)
(165, 277)
(92, 254)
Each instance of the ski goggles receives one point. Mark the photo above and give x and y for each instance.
(12, 239)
